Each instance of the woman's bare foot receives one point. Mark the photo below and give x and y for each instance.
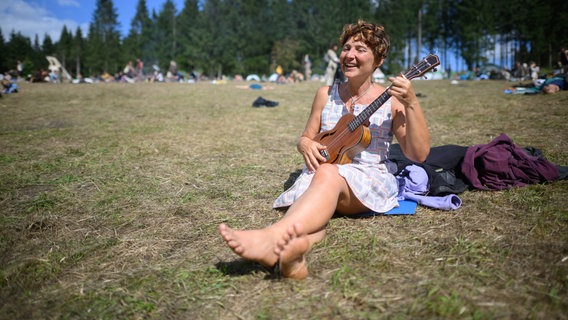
(292, 260)
(254, 245)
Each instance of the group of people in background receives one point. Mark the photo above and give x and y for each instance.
(134, 71)
(7, 85)
(521, 72)
(560, 81)
(548, 83)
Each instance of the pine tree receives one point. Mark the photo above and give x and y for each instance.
(165, 35)
(213, 43)
(64, 47)
(190, 36)
(104, 38)
(139, 42)
(78, 48)
(3, 60)
(47, 46)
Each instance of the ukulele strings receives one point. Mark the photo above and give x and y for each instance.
(337, 138)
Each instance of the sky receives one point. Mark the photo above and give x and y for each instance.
(31, 17)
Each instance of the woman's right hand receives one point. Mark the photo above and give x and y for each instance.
(310, 150)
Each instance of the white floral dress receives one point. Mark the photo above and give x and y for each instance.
(368, 175)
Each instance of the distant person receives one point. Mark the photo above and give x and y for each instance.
(20, 69)
(106, 77)
(157, 75)
(129, 73)
(332, 63)
(129, 70)
(555, 84)
(54, 75)
(563, 60)
(173, 73)
(41, 75)
(295, 76)
(139, 69)
(280, 78)
(506, 74)
(8, 86)
(517, 71)
(525, 71)
(534, 70)
(307, 67)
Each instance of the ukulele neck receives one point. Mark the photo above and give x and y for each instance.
(368, 112)
(415, 71)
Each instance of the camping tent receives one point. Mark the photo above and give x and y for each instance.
(54, 65)
(379, 76)
(437, 73)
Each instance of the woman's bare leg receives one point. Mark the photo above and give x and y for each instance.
(292, 254)
(327, 192)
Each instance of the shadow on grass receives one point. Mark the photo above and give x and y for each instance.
(242, 267)
(292, 178)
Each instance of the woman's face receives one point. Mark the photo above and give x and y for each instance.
(357, 59)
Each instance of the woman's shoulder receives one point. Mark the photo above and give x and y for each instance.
(325, 91)
(322, 97)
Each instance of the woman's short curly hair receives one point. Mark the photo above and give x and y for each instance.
(373, 35)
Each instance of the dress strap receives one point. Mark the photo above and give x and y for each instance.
(334, 94)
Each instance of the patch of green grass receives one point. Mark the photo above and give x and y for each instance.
(66, 179)
(43, 201)
(6, 159)
(452, 306)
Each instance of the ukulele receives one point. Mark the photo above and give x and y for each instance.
(349, 136)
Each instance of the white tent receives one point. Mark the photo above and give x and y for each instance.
(54, 65)
(253, 77)
(437, 73)
(378, 76)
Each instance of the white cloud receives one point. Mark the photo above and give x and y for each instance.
(29, 20)
(69, 3)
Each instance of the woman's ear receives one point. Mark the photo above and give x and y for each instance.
(379, 63)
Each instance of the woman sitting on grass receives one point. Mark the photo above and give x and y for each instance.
(323, 189)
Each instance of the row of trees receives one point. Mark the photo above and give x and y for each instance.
(252, 36)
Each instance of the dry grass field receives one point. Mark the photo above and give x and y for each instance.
(111, 195)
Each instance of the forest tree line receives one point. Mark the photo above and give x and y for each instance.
(253, 36)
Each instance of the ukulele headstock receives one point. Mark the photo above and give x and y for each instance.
(428, 63)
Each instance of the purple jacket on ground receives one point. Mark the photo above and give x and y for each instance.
(501, 164)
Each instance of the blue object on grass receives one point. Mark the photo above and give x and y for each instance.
(404, 207)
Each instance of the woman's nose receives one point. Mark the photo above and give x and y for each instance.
(348, 54)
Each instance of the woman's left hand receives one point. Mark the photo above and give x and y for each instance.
(402, 89)
(409, 124)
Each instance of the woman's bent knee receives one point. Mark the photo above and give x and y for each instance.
(327, 172)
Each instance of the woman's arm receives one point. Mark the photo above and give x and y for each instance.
(409, 124)
(310, 149)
